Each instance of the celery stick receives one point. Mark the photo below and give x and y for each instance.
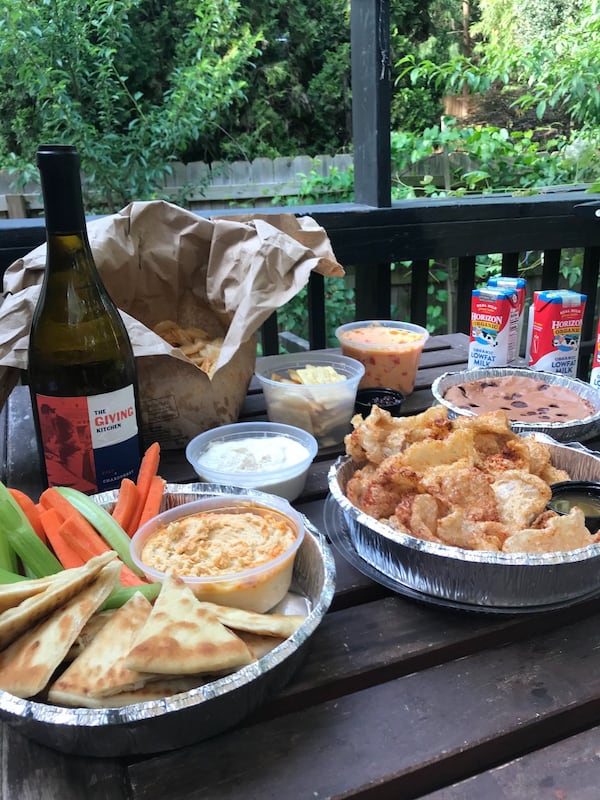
(8, 557)
(10, 577)
(110, 530)
(16, 528)
(120, 596)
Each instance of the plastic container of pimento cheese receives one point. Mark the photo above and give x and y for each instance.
(389, 350)
(259, 585)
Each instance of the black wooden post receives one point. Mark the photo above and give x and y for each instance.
(370, 44)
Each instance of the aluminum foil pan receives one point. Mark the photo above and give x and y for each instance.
(191, 716)
(578, 430)
(476, 577)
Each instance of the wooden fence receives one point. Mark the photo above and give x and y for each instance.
(200, 186)
(204, 186)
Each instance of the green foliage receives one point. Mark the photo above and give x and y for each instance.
(298, 96)
(513, 23)
(502, 160)
(420, 31)
(556, 68)
(298, 92)
(339, 308)
(74, 71)
(314, 188)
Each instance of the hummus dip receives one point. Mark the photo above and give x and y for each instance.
(218, 543)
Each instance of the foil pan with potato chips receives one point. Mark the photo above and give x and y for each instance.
(474, 579)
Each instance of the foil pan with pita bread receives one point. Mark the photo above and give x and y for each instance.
(189, 716)
(471, 580)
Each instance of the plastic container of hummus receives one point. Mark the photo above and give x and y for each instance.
(229, 549)
(389, 350)
(266, 456)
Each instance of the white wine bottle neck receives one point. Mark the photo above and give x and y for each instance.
(59, 168)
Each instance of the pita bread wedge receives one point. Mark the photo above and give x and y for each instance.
(15, 621)
(283, 625)
(182, 638)
(88, 633)
(27, 664)
(11, 594)
(99, 670)
(157, 690)
(259, 645)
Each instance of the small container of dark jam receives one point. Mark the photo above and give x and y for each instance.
(585, 494)
(386, 399)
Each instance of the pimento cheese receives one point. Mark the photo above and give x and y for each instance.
(390, 355)
(217, 543)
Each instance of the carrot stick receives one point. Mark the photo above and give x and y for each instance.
(148, 469)
(51, 498)
(127, 501)
(153, 500)
(52, 521)
(85, 541)
(88, 546)
(30, 509)
(129, 578)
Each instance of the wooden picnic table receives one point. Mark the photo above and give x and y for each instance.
(396, 698)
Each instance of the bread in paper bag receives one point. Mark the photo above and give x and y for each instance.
(158, 262)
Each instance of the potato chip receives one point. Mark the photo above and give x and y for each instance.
(315, 376)
(195, 343)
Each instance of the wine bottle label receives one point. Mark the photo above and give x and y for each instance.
(90, 443)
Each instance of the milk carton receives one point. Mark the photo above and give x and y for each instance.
(595, 373)
(554, 331)
(520, 286)
(494, 327)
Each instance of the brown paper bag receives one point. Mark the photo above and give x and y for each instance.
(159, 261)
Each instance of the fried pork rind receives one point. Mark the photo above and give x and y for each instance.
(458, 530)
(380, 435)
(539, 461)
(491, 432)
(560, 532)
(372, 495)
(470, 482)
(459, 445)
(463, 486)
(554, 475)
(520, 498)
(418, 515)
(513, 456)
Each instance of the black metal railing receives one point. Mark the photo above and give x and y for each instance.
(417, 231)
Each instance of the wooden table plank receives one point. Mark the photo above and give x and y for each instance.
(401, 738)
(567, 770)
(33, 772)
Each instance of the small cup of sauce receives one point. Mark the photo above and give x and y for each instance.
(584, 494)
(387, 399)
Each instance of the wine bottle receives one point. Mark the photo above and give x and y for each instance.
(81, 368)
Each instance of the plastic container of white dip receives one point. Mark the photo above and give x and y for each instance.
(267, 456)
